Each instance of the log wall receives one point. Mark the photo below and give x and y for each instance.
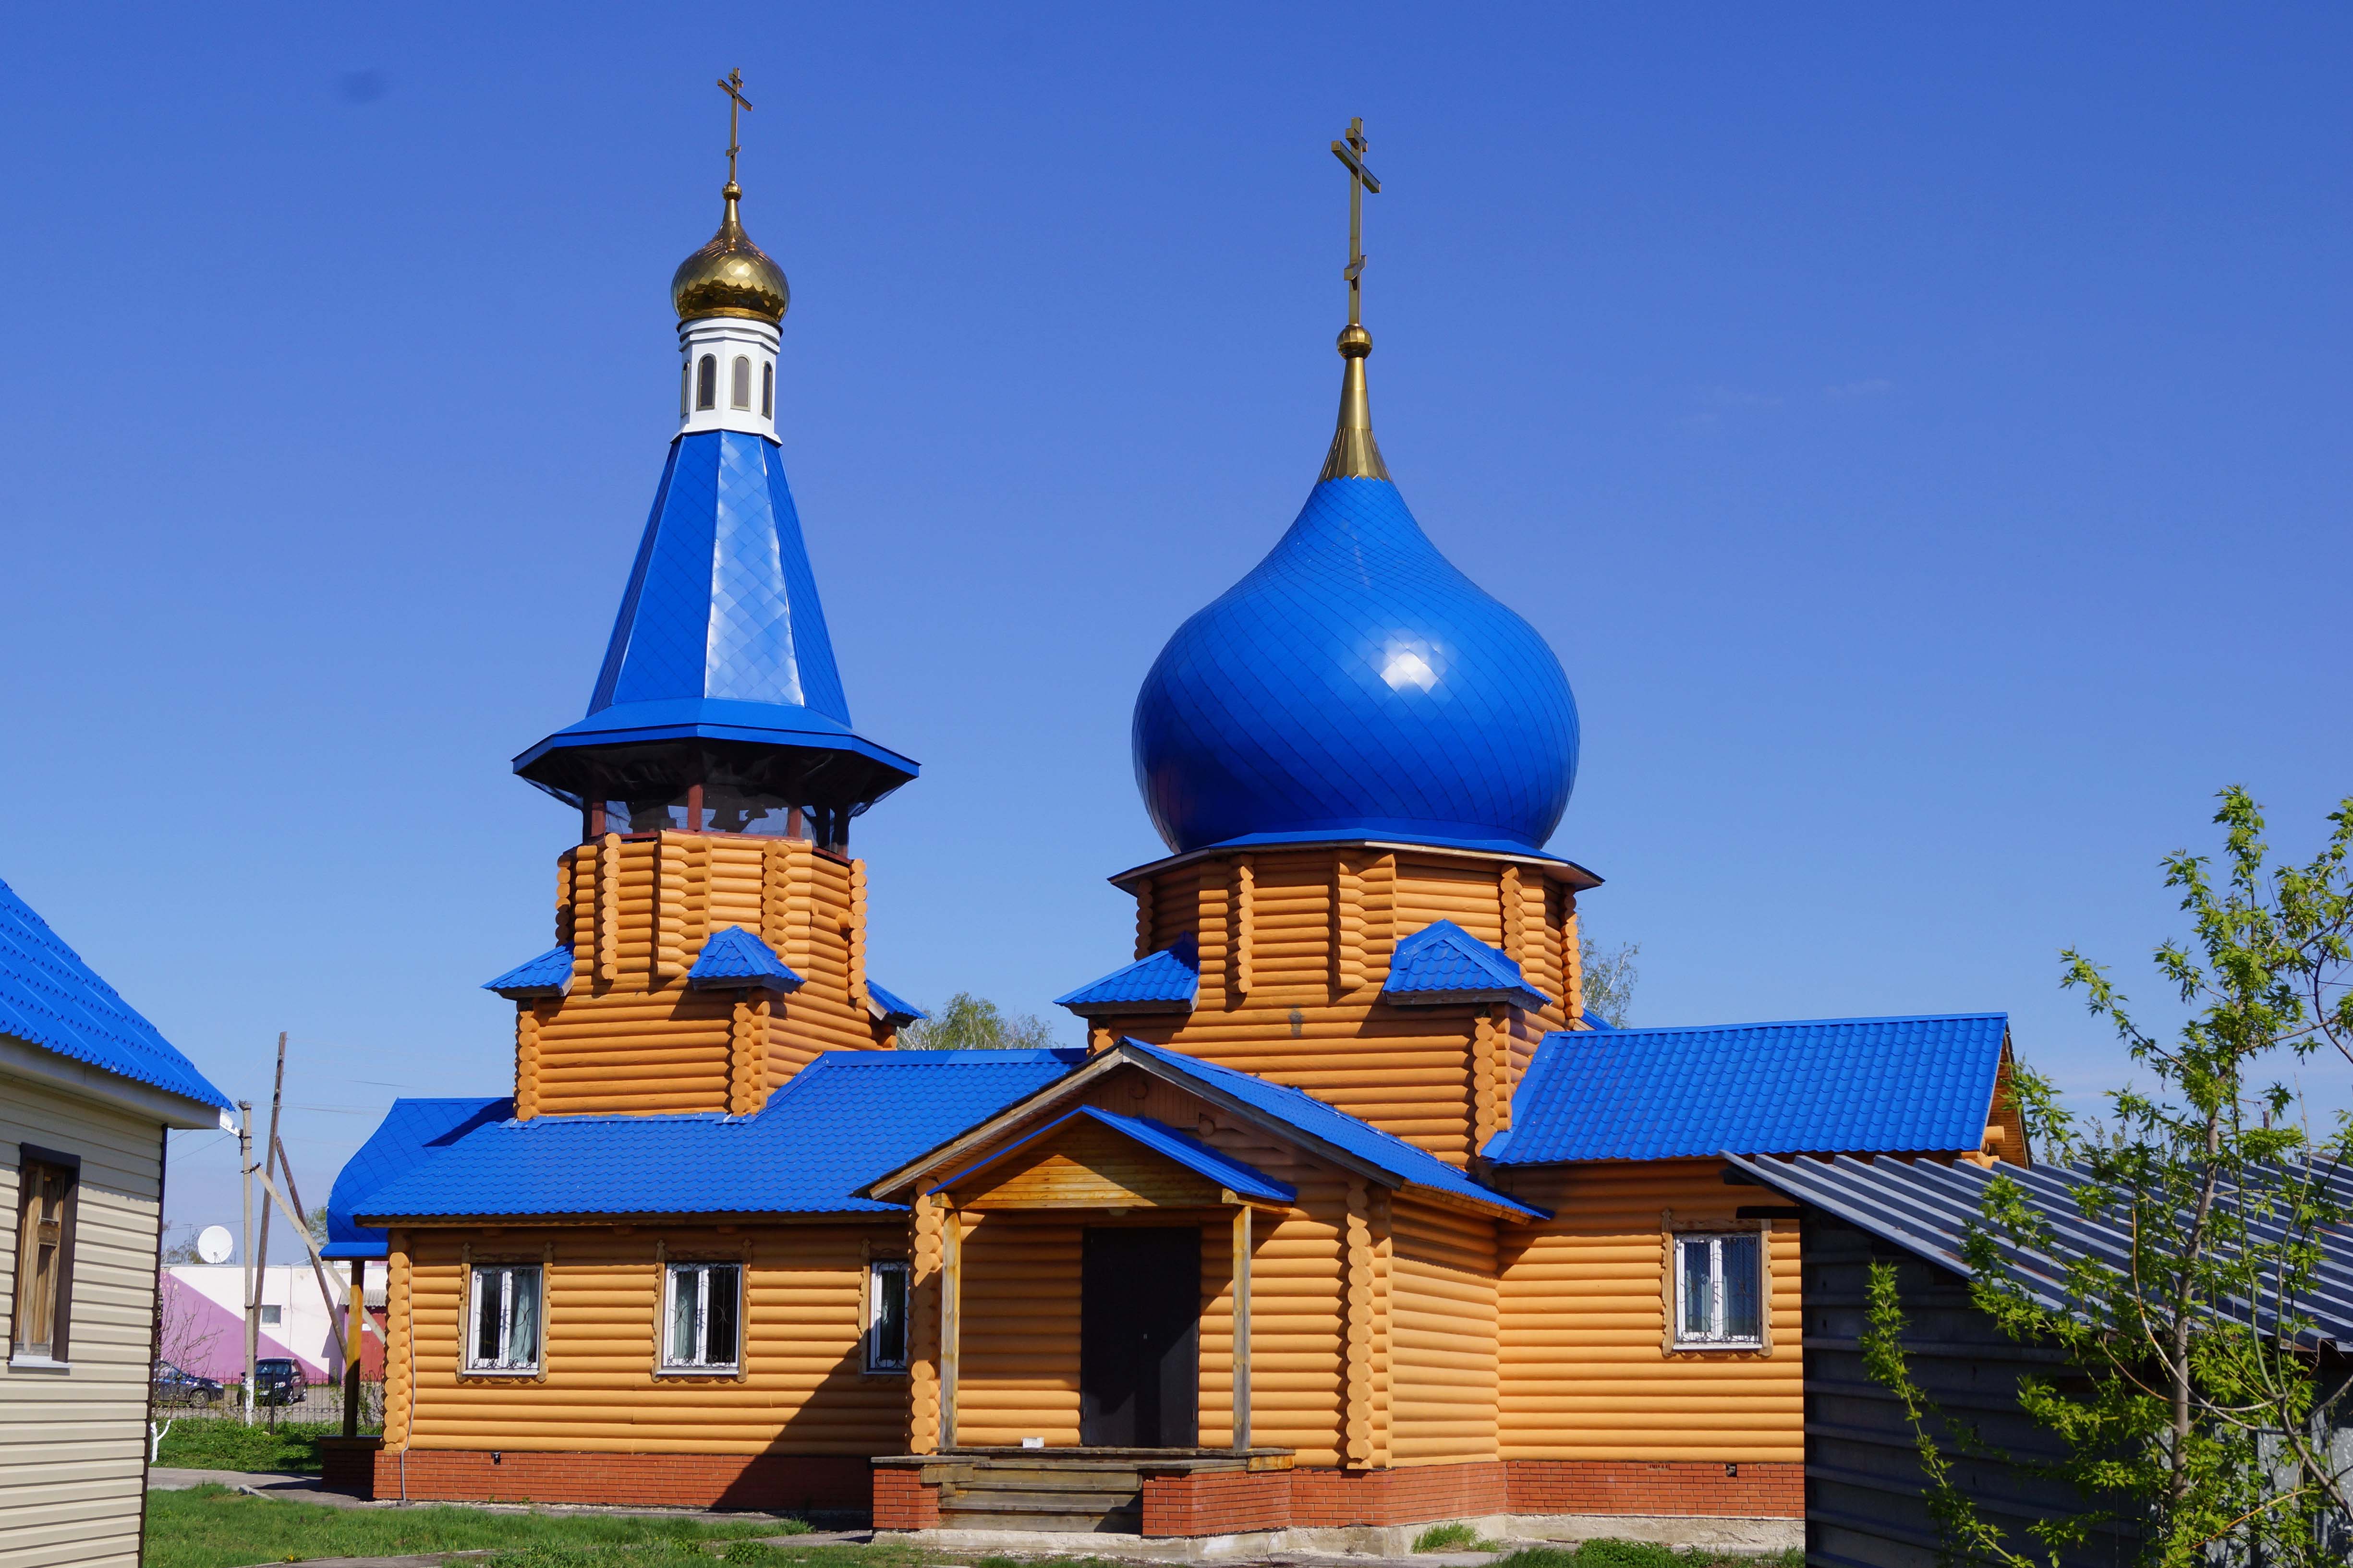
(802, 1390)
(631, 1036)
(1583, 1372)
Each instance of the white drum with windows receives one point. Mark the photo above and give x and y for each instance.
(1720, 1290)
(502, 1319)
(702, 1317)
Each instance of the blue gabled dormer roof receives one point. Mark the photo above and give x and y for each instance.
(721, 639)
(894, 1009)
(1166, 981)
(1826, 1086)
(734, 957)
(549, 975)
(50, 999)
(1443, 963)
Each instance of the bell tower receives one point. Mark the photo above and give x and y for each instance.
(710, 921)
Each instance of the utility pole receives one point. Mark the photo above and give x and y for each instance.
(261, 1253)
(245, 1250)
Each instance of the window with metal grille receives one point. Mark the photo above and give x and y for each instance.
(1719, 1289)
(700, 1316)
(886, 1317)
(503, 1322)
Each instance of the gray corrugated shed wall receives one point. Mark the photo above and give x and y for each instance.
(1865, 1507)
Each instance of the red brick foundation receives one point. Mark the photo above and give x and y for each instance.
(1749, 1490)
(1217, 1502)
(348, 1465)
(789, 1482)
(904, 1501)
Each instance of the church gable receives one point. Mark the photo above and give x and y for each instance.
(1095, 1158)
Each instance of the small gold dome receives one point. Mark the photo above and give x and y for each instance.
(731, 276)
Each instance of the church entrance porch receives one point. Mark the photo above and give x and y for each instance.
(1140, 1338)
(1094, 1491)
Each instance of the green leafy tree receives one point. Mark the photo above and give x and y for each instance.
(970, 1023)
(2196, 1412)
(1609, 978)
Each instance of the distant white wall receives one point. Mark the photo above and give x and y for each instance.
(306, 1326)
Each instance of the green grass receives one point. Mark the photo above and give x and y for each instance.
(1640, 1555)
(212, 1527)
(221, 1443)
(1456, 1537)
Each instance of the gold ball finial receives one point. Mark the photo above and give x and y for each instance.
(1355, 341)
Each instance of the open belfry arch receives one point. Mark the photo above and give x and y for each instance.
(1345, 1212)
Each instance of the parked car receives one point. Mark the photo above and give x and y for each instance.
(174, 1386)
(278, 1380)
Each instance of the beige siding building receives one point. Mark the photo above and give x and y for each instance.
(87, 1089)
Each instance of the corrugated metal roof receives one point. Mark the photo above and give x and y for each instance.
(1182, 1147)
(893, 1005)
(549, 975)
(1818, 1086)
(412, 1132)
(50, 998)
(734, 956)
(1443, 963)
(843, 1119)
(1385, 1151)
(1927, 1208)
(1169, 979)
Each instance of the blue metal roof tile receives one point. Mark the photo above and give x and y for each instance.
(412, 1132)
(1166, 981)
(892, 1007)
(1443, 963)
(841, 1118)
(50, 998)
(549, 975)
(1329, 1124)
(1182, 1147)
(734, 957)
(1817, 1086)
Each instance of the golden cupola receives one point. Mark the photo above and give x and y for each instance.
(731, 276)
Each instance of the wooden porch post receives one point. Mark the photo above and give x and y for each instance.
(1242, 1326)
(951, 1320)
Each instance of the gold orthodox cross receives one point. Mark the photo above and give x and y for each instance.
(731, 84)
(1351, 151)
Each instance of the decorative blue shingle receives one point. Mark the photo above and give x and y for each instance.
(412, 1132)
(733, 958)
(720, 638)
(893, 1009)
(1355, 684)
(1161, 1139)
(50, 998)
(1166, 981)
(1824, 1086)
(549, 975)
(1329, 1124)
(842, 1118)
(1443, 963)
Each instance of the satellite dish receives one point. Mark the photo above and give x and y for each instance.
(213, 1244)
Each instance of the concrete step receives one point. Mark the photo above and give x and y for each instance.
(1120, 1522)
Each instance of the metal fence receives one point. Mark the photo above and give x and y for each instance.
(317, 1402)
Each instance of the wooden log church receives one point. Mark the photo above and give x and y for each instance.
(1345, 1213)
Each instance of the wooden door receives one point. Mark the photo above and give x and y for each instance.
(1140, 1339)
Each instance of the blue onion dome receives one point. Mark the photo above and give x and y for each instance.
(1355, 684)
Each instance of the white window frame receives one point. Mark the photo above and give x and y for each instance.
(1715, 1338)
(510, 1276)
(700, 1271)
(876, 1271)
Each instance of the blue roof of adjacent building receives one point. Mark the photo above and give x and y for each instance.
(1161, 1139)
(893, 1005)
(50, 998)
(720, 635)
(840, 1120)
(1170, 977)
(549, 975)
(1820, 1086)
(1441, 961)
(1355, 684)
(1329, 1124)
(734, 956)
(412, 1132)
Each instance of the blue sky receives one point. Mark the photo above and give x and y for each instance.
(1922, 436)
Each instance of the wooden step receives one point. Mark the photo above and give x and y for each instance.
(993, 1480)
